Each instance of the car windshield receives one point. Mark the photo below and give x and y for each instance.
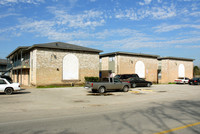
(142, 79)
(132, 78)
(10, 81)
(117, 76)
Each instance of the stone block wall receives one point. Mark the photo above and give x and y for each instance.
(48, 66)
(126, 65)
(169, 70)
(105, 63)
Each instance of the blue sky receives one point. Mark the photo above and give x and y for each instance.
(159, 27)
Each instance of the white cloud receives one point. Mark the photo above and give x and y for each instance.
(156, 13)
(163, 13)
(186, 46)
(88, 18)
(195, 14)
(7, 15)
(168, 28)
(146, 2)
(7, 2)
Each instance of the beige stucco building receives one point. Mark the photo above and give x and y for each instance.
(171, 68)
(144, 65)
(55, 63)
(150, 67)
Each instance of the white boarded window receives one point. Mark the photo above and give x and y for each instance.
(140, 69)
(70, 67)
(181, 70)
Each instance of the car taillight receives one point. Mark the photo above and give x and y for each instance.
(91, 84)
(128, 81)
(195, 81)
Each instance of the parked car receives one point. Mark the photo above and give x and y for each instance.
(182, 80)
(112, 84)
(194, 81)
(8, 78)
(124, 77)
(7, 87)
(138, 82)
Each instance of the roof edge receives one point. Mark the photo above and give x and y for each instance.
(129, 53)
(176, 58)
(18, 48)
(89, 49)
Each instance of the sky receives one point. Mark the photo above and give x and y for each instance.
(157, 27)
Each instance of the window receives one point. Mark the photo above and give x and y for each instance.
(111, 58)
(116, 80)
(2, 82)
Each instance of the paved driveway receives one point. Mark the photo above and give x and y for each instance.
(75, 110)
(77, 97)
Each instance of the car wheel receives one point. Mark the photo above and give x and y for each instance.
(125, 88)
(102, 90)
(134, 85)
(148, 85)
(8, 91)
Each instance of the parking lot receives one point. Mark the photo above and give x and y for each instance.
(77, 97)
(77, 110)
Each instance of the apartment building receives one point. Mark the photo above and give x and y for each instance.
(55, 63)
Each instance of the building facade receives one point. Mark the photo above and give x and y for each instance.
(144, 65)
(171, 68)
(150, 67)
(55, 63)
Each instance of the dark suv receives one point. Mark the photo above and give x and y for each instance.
(194, 81)
(124, 77)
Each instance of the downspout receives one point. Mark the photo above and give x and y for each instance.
(116, 64)
(21, 69)
(17, 69)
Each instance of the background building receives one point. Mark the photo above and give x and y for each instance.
(150, 67)
(171, 68)
(144, 65)
(53, 63)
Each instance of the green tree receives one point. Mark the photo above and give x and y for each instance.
(196, 70)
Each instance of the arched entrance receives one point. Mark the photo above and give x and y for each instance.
(70, 67)
(181, 70)
(140, 69)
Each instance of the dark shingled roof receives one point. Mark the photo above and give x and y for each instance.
(130, 54)
(57, 45)
(3, 61)
(20, 47)
(175, 58)
(66, 46)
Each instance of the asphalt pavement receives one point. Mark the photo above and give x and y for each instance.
(160, 108)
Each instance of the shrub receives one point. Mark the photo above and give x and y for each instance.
(91, 79)
(171, 83)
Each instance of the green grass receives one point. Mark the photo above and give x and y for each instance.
(171, 83)
(59, 86)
